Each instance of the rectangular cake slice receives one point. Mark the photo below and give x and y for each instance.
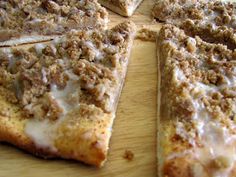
(28, 21)
(214, 21)
(197, 106)
(122, 7)
(58, 99)
(207, 11)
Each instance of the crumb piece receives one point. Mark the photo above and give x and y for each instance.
(4, 112)
(221, 162)
(128, 155)
(51, 6)
(146, 35)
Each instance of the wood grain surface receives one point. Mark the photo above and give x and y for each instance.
(134, 128)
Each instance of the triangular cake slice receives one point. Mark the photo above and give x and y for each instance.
(123, 7)
(214, 21)
(197, 106)
(59, 99)
(27, 21)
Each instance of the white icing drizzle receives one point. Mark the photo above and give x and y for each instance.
(44, 74)
(98, 53)
(36, 20)
(39, 48)
(71, 90)
(217, 140)
(179, 75)
(54, 49)
(61, 96)
(42, 132)
(10, 57)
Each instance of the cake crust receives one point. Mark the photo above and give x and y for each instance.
(123, 7)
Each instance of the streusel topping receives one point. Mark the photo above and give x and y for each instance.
(47, 17)
(199, 89)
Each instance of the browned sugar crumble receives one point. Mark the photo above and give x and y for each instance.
(91, 61)
(211, 65)
(128, 155)
(198, 85)
(213, 21)
(47, 17)
(146, 35)
(214, 11)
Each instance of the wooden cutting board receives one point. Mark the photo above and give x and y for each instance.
(134, 128)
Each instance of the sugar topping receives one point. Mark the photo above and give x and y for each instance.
(51, 80)
(47, 18)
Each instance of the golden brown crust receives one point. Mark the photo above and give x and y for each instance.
(88, 69)
(123, 7)
(12, 131)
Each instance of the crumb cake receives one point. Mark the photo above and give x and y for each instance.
(214, 21)
(25, 21)
(207, 11)
(197, 106)
(122, 7)
(59, 98)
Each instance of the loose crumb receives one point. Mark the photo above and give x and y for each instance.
(5, 112)
(146, 35)
(128, 155)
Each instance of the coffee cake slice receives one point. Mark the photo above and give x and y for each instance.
(58, 99)
(122, 7)
(27, 21)
(207, 11)
(213, 21)
(197, 106)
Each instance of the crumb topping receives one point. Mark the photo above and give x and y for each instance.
(213, 21)
(146, 35)
(47, 17)
(217, 12)
(201, 95)
(84, 67)
(201, 69)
